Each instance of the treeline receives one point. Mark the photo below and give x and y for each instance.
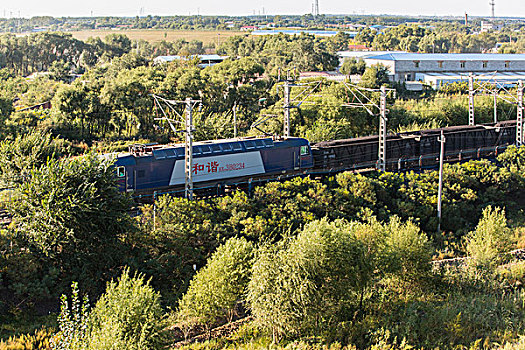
(303, 53)
(442, 39)
(197, 22)
(337, 258)
(112, 98)
(23, 55)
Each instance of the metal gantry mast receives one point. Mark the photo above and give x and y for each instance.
(363, 101)
(188, 129)
(295, 102)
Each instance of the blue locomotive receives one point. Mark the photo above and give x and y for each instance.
(152, 167)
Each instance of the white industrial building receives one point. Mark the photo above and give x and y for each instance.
(206, 60)
(405, 66)
(437, 80)
(437, 70)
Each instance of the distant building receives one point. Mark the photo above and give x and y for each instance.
(404, 66)
(249, 28)
(325, 33)
(437, 80)
(487, 26)
(206, 60)
(356, 47)
(361, 54)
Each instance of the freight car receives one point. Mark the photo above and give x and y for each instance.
(151, 167)
(417, 149)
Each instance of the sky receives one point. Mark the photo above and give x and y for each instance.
(75, 8)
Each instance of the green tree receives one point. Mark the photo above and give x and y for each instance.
(314, 283)
(71, 215)
(127, 316)
(73, 321)
(375, 76)
(492, 238)
(60, 71)
(352, 66)
(220, 286)
(19, 157)
(71, 101)
(6, 108)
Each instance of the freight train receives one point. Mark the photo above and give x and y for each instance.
(219, 163)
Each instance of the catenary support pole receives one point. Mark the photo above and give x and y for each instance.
(381, 161)
(286, 123)
(188, 151)
(440, 186)
(495, 105)
(519, 121)
(470, 99)
(235, 119)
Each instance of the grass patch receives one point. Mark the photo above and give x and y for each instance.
(156, 35)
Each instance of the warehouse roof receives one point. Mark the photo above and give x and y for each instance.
(400, 56)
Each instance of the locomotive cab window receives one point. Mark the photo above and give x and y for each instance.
(304, 150)
(226, 147)
(121, 171)
(249, 144)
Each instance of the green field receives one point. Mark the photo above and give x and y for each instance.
(154, 35)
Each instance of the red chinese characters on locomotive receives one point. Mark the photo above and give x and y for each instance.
(214, 167)
(197, 167)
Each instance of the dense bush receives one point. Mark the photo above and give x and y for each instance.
(218, 288)
(25, 153)
(323, 278)
(69, 223)
(492, 238)
(127, 316)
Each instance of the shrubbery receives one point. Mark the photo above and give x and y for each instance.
(323, 278)
(127, 316)
(219, 288)
(492, 238)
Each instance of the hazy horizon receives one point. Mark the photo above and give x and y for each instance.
(32, 8)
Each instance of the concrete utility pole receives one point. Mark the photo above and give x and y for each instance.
(188, 151)
(519, 123)
(440, 186)
(470, 99)
(286, 124)
(235, 119)
(381, 162)
(495, 93)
